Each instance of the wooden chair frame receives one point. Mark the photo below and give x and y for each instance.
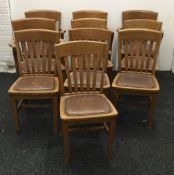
(136, 68)
(38, 79)
(82, 51)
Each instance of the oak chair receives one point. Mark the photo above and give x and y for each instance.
(38, 75)
(50, 14)
(84, 104)
(136, 76)
(95, 34)
(29, 23)
(90, 14)
(89, 23)
(138, 14)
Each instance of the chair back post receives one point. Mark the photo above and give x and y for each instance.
(35, 50)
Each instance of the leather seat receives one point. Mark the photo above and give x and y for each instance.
(35, 83)
(81, 105)
(134, 80)
(98, 78)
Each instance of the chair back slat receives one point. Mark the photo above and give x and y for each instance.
(35, 49)
(140, 47)
(89, 23)
(33, 23)
(143, 23)
(49, 14)
(90, 14)
(79, 65)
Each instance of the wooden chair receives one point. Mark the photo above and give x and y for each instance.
(143, 23)
(84, 104)
(136, 76)
(29, 23)
(38, 76)
(94, 34)
(50, 14)
(138, 14)
(90, 14)
(89, 23)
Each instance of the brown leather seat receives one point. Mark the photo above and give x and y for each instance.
(98, 78)
(86, 105)
(35, 83)
(134, 80)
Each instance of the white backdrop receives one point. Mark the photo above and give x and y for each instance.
(165, 8)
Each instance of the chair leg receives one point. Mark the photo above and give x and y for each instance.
(151, 111)
(55, 114)
(111, 138)
(66, 141)
(15, 114)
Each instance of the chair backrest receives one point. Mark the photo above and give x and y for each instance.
(33, 23)
(143, 23)
(138, 14)
(90, 14)
(89, 23)
(139, 47)
(94, 34)
(77, 56)
(50, 14)
(36, 51)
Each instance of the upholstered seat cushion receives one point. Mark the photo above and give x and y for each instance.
(98, 80)
(135, 80)
(86, 104)
(35, 83)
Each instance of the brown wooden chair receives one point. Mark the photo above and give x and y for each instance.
(142, 23)
(89, 23)
(138, 14)
(38, 76)
(136, 76)
(90, 14)
(94, 34)
(50, 14)
(84, 104)
(29, 23)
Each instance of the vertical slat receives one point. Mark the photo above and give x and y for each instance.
(49, 51)
(32, 55)
(88, 63)
(68, 74)
(132, 44)
(149, 54)
(94, 75)
(73, 67)
(20, 56)
(80, 59)
(38, 55)
(137, 54)
(103, 69)
(43, 52)
(144, 47)
(126, 54)
(26, 55)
